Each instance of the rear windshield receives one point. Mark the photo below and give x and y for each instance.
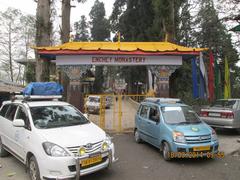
(94, 99)
(225, 103)
(179, 115)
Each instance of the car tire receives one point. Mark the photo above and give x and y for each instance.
(166, 151)
(33, 169)
(137, 136)
(3, 152)
(238, 130)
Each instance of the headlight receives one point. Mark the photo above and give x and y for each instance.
(105, 146)
(214, 135)
(178, 137)
(82, 151)
(107, 142)
(52, 149)
(108, 139)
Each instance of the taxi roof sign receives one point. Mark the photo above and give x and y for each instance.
(163, 100)
(37, 97)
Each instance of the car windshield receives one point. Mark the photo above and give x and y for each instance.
(225, 103)
(56, 116)
(94, 99)
(179, 115)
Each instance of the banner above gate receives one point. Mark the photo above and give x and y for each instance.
(119, 60)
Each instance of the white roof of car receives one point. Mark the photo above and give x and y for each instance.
(94, 96)
(39, 103)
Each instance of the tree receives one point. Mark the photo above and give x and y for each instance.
(100, 31)
(66, 11)
(230, 10)
(43, 37)
(135, 23)
(184, 33)
(81, 28)
(166, 18)
(100, 27)
(118, 10)
(213, 34)
(28, 32)
(9, 40)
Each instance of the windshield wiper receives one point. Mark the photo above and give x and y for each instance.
(184, 122)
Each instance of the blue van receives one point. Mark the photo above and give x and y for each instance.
(174, 128)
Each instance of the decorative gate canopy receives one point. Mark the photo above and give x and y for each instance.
(119, 48)
(161, 58)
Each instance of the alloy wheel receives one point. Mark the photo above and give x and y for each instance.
(33, 170)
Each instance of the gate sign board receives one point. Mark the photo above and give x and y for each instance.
(119, 60)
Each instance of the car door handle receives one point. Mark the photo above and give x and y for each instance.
(148, 122)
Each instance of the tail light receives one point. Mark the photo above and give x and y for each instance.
(228, 115)
(204, 113)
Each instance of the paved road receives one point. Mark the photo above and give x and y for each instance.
(141, 162)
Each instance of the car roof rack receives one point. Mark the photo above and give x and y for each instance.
(163, 100)
(36, 97)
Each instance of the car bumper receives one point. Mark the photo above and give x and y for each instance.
(221, 123)
(93, 110)
(69, 167)
(188, 149)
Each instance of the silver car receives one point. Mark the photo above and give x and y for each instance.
(224, 113)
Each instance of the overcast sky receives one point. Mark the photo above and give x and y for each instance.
(29, 7)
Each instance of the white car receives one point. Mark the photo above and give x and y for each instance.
(53, 139)
(93, 104)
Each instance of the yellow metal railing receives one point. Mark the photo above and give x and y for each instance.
(116, 110)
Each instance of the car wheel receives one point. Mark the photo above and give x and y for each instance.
(3, 152)
(166, 151)
(33, 169)
(238, 130)
(137, 136)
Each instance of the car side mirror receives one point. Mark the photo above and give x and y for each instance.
(86, 115)
(18, 123)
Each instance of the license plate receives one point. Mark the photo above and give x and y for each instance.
(214, 114)
(90, 161)
(201, 148)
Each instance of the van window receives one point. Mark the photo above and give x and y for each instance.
(21, 114)
(4, 110)
(11, 112)
(144, 111)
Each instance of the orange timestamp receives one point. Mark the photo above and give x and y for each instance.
(196, 154)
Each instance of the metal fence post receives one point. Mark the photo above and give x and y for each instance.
(119, 113)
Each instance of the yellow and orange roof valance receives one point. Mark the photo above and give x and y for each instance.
(119, 48)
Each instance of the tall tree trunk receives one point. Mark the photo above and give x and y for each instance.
(43, 37)
(66, 10)
(10, 51)
(170, 22)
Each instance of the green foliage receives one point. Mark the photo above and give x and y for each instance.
(213, 34)
(184, 33)
(100, 31)
(100, 27)
(118, 10)
(97, 85)
(135, 23)
(30, 73)
(81, 28)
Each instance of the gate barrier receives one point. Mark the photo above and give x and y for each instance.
(113, 113)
